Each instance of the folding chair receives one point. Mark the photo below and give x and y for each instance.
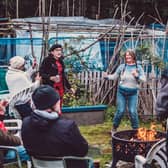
(47, 162)
(14, 126)
(16, 161)
(76, 162)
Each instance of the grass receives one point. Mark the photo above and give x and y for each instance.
(99, 139)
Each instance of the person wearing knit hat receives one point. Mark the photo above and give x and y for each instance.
(17, 80)
(55, 46)
(45, 97)
(45, 133)
(52, 71)
(17, 62)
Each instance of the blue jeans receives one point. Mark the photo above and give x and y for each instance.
(22, 153)
(126, 97)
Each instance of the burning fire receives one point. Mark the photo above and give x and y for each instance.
(145, 134)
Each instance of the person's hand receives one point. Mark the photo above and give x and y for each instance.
(3, 105)
(34, 65)
(55, 79)
(135, 73)
(38, 77)
(72, 90)
(104, 74)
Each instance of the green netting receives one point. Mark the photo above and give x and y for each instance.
(3, 85)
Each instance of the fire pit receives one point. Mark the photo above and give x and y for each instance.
(125, 145)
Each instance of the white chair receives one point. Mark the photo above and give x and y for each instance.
(20, 98)
(14, 126)
(157, 155)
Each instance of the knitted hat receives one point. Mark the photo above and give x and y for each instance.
(53, 47)
(45, 97)
(16, 62)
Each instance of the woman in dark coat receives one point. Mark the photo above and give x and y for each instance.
(52, 71)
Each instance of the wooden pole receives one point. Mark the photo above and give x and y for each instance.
(40, 8)
(50, 9)
(83, 7)
(73, 8)
(17, 8)
(43, 50)
(67, 7)
(31, 41)
(98, 11)
(43, 8)
(6, 8)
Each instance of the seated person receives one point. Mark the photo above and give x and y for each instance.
(8, 139)
(18, 79)
(45, 133)
(161, 106)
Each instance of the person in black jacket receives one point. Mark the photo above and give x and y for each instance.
(45, 133)
(52, 71)
(161, 106)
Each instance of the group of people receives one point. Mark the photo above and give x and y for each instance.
(44, 131)
(51, 72)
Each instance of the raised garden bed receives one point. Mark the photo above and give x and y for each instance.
(85, 115)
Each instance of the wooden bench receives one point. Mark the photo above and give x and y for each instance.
(157, 155)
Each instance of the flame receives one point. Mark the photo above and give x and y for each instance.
(144, 134)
